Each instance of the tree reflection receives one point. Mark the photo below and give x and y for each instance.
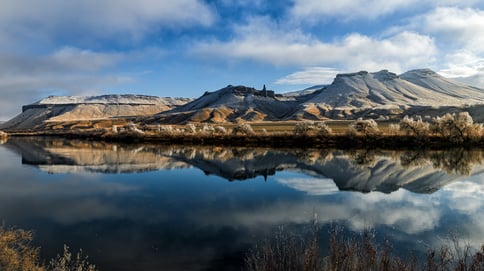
(458, 161)
(353, 169)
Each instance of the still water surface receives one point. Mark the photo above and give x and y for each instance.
(156, 207)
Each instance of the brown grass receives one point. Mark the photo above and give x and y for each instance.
(17, 253)
(355, 253)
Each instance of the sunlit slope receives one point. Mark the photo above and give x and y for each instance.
(75, 108)
(382, 94)
(232, 103)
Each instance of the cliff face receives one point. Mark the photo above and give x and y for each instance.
(76, 108)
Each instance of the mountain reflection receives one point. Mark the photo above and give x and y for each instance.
(386, 171)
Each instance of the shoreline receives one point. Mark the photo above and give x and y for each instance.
(340, 141)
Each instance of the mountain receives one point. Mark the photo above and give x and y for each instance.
(384, 93)
(77, 108)
(305, 91)
(232, 103)
(429, 79)
(379, 95)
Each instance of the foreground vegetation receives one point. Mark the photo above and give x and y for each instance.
(360, 253)
(445, 131)
(17, 253)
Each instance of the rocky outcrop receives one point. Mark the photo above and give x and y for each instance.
(229, 104)
(78, 108)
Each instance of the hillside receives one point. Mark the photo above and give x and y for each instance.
(382, 94)
(232, 103)
(77, 108)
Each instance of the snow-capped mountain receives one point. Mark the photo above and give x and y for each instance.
(378, 95)
(77, 108)
(385, 93)
(231, 103)
(305, 91)
(431, 80)
(111, 99)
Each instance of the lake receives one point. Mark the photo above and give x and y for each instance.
(158, 207)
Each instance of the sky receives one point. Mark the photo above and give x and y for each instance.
(186, 47)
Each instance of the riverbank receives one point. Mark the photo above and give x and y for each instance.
(450, 130)
(340, 141)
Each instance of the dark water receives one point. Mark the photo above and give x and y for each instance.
(154, 207)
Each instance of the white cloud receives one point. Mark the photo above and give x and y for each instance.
(97, 19)
(261, 40)
(315, 10)
(459, 33)
(346, 9)
(23, 79)
(310, 76)
(458, 28)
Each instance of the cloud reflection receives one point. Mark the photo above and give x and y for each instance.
(169, 215)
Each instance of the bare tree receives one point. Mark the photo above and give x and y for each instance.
(415, 126)
(457, 127)
(244, 129)
(366, 127)
(312, 128)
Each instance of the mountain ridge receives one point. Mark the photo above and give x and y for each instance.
(81, 108)
(376, 95)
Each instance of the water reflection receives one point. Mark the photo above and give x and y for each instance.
(355, 170)
(188, 218)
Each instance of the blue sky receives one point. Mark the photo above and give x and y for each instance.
(186, 47)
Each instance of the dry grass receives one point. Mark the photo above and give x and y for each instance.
(355, 253)
(413, 133)
(17, 253)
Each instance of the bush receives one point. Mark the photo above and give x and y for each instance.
(191, 128)
(164, 129)
(18, 254)
(323, 129)
(133, 128)
(394, 129)
(65, 262)
(457, 128)
(304, 128)
(220, 130)
(207, 129)
(244, 129)
(312, 128)
(416, 127)
(367, 127)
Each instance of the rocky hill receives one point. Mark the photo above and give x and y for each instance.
(379, 95)
(76, 108)
(383, 94)
(232, 103)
